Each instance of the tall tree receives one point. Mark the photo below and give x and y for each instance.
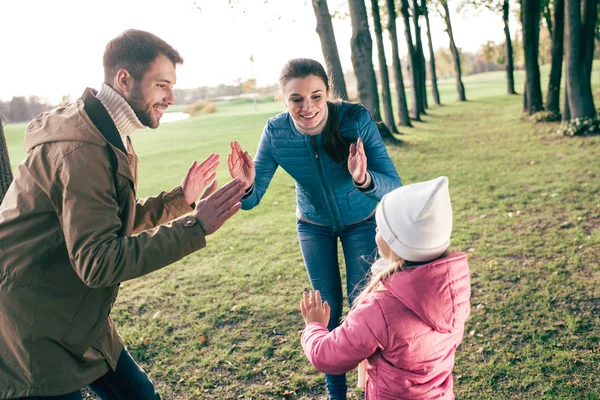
(5, 168)
(445, 13)
(434, 87)
(557, 36)
(500, 7)
(388, 111)
(580, 25)
(530, 15)
(361, 47)
(329, 47)
(509, 56)
(397, 66)
(412, 61)
(417, 13)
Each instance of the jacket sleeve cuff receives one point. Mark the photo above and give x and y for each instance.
(368, 183)
(194, 233)
(175, 202)
(249, 191)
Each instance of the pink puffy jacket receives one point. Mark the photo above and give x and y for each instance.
(408, 332)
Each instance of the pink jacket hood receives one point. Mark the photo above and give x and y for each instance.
(437, 294)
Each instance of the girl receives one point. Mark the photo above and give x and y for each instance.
(409, 320)
(335, 154)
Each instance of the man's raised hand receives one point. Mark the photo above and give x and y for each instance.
(216, 207)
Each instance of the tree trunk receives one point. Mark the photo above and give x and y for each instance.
(553, 95)
(361, 47)
(547, 13)
(434, 86)
(566, 116)
(579, 50)
(531, 21)
(388, 111)
(525, 95)
(510, 79)
(455, 55)
(412, 61)
(5, 168)
(420, 58)
(399, 80)
(329, 48)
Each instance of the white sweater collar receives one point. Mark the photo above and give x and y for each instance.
(120, 111)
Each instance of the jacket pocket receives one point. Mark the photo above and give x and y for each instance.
(88, 319)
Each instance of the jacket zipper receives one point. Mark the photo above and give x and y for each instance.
(313, 140)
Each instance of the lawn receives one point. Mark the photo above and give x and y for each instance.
(224, 322)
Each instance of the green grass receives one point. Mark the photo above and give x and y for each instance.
(224, 323)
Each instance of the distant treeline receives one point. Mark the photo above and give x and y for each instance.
(21, 108)
(490, 57)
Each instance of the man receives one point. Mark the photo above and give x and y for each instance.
(67, 225)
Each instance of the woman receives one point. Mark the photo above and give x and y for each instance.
(334, 152)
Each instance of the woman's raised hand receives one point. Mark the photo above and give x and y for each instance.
(357, 162)
(241, 165)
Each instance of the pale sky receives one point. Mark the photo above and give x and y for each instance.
(53, 48)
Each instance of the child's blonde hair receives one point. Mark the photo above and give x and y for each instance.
(377, 279)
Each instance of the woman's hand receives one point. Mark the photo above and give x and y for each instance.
(241, 165)
(313, 309)
(357, 163)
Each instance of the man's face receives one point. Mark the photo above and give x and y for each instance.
(150, 96)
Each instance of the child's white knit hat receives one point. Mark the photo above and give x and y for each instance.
(416, 220)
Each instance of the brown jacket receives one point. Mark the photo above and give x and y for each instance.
(65, 244)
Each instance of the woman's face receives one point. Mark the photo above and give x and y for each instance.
(306, 100)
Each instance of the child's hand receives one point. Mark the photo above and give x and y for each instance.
(313, 308)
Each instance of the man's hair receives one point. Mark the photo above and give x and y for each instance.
(134, 51)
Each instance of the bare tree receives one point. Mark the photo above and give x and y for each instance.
(388, 111)
(361, 47)
(399, 80)
(501, 7)
(530, 18)
(412, 61)
(329, 47)
(445, 13)
(580, 25)
(434, 86)
(557, 36)
(509, 61)
(420, 58)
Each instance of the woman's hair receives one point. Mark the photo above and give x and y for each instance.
(336, 146)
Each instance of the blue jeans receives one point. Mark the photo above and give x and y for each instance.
(319, 245)
(128, 381)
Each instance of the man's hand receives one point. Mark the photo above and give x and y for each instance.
(198, 177)
(357, 162)
(214, 209)
(313, 309)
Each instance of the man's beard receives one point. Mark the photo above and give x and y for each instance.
(136, 101)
